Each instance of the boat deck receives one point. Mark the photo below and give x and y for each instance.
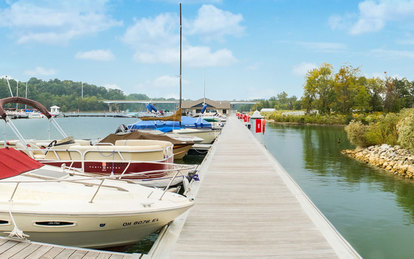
(15, 249)
(247, 206)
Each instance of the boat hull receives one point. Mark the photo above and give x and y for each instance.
(180, 151)
(91, 231)
(208, 136)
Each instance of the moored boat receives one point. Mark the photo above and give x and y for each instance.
(180, 145)
(57, 205)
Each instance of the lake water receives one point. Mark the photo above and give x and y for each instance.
(373, 210)
(80, 128)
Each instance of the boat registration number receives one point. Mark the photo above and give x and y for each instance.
(139, 222)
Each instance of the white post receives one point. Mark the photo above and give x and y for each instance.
(17, 94)
(8, 84)
(25, 106)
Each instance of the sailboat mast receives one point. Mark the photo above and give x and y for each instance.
(204, 82)
(181, 57)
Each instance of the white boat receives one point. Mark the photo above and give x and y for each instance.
(208, 135)
(35, 115)
(57, 205)
(127, 159)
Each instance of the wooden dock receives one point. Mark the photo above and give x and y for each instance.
(247, 206)
(15, 249)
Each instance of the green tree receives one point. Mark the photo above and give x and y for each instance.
(319, 89)
(346, 87)
(376, 89)
(391, 102)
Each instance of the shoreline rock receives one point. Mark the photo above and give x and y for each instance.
(393, 159)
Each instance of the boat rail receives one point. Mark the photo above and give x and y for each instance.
(82, 155)
(87, 181)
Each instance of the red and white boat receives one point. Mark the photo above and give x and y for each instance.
(61, 206)
(149, 162)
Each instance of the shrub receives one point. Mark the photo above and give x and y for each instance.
(356, 133)
(405, 130)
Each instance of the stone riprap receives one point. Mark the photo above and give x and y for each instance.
(394, 159)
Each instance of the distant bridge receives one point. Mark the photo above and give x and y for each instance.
(114, 102)
(166, 101)
(138, 101)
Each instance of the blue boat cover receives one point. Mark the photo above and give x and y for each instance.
(167, 126)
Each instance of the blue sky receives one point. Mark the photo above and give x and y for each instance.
(244, 49)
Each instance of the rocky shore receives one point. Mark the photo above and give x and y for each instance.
(391, 158)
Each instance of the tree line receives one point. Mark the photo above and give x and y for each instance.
(67, 94)
(347, 91)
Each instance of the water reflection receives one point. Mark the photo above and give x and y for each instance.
(373, 210)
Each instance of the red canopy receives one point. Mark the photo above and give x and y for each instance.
(13, 162)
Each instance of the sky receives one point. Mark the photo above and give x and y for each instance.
(232, 49)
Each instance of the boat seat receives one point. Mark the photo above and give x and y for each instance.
(146, 143)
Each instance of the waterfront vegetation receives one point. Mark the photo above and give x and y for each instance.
(391, 128)
(376, 111)
(67, 94)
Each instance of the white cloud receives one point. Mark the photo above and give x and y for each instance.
(156, 40)
(164, 86)
(166, 82)
(55, 22)
(303, 68)
(98, 55)
(112, 86)
(394, 53)
(213, 23)
(40, 71)
(323, 46)
(374, 15)
(204, 57)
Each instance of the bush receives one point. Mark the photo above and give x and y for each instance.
(356, 133)
(405, 130)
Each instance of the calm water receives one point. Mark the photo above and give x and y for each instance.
(80, 128)
(374, 211)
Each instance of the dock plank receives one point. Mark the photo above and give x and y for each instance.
(18, 249)
(78, 254)
(7, 245)
(26, 252)
(14, 250)
(52, 253)
(103, 256)
(39, 253)
(65, 253)
(247, 206)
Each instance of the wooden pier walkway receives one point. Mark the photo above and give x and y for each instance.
(247, 206)
(14, 249)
